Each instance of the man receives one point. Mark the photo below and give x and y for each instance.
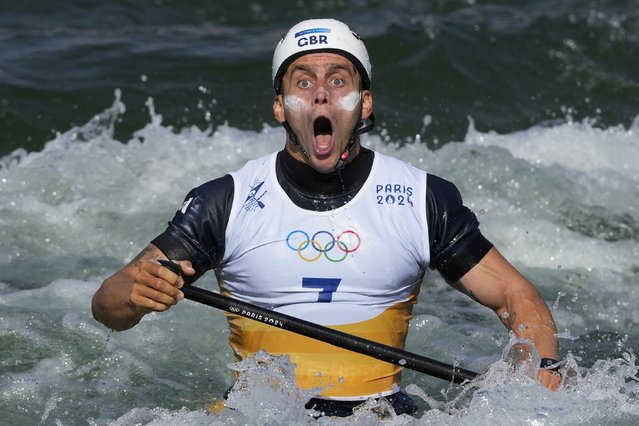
(330, 232)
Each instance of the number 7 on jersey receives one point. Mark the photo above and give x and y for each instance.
(328, 286)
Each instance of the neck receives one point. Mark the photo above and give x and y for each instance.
(309, 183)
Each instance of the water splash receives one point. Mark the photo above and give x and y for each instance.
(87, 203)
(272, 379)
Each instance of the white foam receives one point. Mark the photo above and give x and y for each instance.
(560, 201)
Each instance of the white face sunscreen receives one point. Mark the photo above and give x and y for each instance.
(350, 101)
(293, 103)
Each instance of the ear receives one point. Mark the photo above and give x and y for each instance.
(278, 108)
(367, 104)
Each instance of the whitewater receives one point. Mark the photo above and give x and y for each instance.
(560, 200)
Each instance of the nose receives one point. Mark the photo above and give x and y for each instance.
(321, 95)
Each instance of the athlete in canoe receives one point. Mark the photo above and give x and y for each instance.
(328, 231)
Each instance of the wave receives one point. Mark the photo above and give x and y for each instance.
(558, 199)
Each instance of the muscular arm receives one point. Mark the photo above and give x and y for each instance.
(495, 283)
(195, 236)
(141, 287)
(473, 266)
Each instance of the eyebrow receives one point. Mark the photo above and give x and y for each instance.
(331, 68)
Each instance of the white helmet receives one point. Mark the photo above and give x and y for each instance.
(320, 35)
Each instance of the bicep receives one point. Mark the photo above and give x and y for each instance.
(492, 281)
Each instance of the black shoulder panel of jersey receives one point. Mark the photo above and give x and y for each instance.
(456, 244)
(197, 230)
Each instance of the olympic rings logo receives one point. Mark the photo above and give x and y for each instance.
(334, 249)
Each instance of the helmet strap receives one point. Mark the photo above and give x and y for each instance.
(295, 141)
(341, 163)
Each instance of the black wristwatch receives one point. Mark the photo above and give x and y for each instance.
(549, 364)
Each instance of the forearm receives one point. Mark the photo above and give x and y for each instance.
(498, 285)
(495, 283)
(527, 315)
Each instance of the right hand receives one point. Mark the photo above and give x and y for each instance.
(549, 378)
(157, 288)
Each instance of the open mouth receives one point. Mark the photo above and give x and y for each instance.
(322, 127)
(322, 136)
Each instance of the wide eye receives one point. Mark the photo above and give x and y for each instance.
(338, 82)
(303, 84)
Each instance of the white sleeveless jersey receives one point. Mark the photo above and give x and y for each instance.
(356, 269)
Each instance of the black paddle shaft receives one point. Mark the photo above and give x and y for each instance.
(328, 335)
